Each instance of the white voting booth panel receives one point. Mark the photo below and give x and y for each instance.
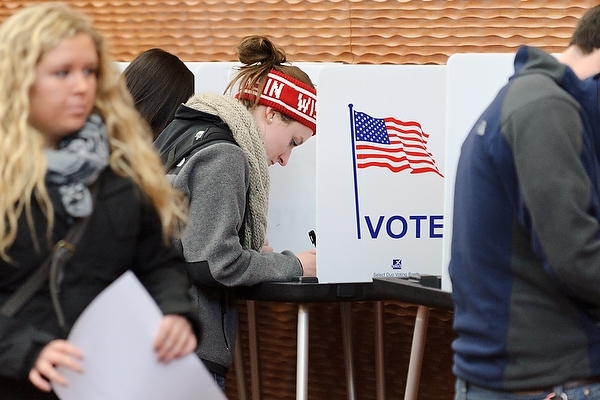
(293, 195)
(122, 65)
(213, 76)
(473, 80)
(292, 198)
(379, 216)
(192, 66)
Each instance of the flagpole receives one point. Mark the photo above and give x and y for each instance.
(353, 136)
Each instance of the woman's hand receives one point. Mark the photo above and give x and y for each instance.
(308, 259)
(175, 338)
(56, 353)
(266, 248)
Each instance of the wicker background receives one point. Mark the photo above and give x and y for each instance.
(326, 375)
(350, 31)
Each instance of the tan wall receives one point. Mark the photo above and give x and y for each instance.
(350, 31)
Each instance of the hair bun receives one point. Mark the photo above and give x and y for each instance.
(260, 50)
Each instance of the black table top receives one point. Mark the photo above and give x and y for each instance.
(377, 290)
(403, 290)
(301, 292)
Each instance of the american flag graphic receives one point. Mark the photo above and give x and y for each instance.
(392, 144)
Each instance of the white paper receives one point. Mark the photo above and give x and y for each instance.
(116, 334)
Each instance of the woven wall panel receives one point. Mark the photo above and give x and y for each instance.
(351, 31)
(327, 373)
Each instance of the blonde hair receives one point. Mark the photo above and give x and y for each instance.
(259, 56)
(25, 38)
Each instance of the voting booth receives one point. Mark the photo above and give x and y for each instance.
(293, 195)
(377, 181)
(380, 171)
(473, 80)
(212, 76)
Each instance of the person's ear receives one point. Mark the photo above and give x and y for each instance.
(269, 114)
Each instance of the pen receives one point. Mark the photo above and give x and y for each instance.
(313, 237)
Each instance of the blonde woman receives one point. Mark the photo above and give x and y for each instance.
(68, 123)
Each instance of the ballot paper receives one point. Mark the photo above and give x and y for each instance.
(116, 334)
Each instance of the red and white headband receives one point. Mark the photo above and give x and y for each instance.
(289, 96)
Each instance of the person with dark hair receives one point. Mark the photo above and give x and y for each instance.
(84, 200)
(525, 252)
(227, 182)
(159, 83)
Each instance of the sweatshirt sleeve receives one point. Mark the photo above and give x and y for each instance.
(216, 180)
(557, 192)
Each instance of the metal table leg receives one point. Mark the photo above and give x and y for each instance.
(346, 310)
(239, 368)
(302, 357)
(379, 352)
(253, 350)
(416, 353)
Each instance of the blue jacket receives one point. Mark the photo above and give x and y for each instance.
(525, 253)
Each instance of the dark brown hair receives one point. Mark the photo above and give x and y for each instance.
(159, 83)
(587, 32)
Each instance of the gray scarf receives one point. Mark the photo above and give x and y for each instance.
(76, 165)
(249, 138)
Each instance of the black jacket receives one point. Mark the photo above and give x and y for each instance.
(124, 233)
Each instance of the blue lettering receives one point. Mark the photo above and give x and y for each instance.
(388, 227)
(375, 233)
(395, 231)
(433, 225)
(418, 219)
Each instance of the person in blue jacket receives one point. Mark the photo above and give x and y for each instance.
(525, 252)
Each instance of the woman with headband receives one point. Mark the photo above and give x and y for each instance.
(227, 184)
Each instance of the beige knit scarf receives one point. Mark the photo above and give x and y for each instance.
(249, 138)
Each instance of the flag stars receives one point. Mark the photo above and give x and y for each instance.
(371, 129)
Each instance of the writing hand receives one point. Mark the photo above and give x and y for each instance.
(308, 259)
(266, 248)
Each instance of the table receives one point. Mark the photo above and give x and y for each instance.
(409, 291)
(303, 294)
(344, 293)
(426, 297)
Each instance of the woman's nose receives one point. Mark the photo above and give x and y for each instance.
(284, 158)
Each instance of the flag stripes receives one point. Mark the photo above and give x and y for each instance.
(393, 144)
